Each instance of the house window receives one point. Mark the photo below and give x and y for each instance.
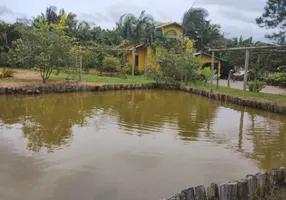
(136, 61)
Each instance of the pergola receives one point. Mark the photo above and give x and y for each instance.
(254, 50)
(99, 49)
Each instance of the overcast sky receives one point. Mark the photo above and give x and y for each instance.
(236, 17)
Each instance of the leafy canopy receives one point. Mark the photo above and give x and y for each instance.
(42, 48)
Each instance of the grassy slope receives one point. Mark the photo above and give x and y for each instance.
(236, 92)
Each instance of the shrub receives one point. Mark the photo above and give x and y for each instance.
(111, 64)
(7, 73)
(3, 59)
(129, 69)
(178, 64)
(89, 60)
(259, 86)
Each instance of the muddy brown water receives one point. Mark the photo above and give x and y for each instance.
(127, 145)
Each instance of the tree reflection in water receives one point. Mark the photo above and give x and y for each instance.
(48, 120)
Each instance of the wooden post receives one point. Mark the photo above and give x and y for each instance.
(133, 61)
(80, 63)
(228, 79)
(212, 72)
(255, 74)
(217, 79)
(246, 70)
(124, 62)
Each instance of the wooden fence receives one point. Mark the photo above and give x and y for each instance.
(252, 187)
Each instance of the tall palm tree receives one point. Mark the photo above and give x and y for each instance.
(133, 28)
(194, 21)
(209, 35)
(4, 27)
(51, 15)
(151, 32)
(8, 33)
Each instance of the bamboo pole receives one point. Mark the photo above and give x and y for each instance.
(124, 62)
(80, 64)
(212, 72)
(245, 71)
(249, 48)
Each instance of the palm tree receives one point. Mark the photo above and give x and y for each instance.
(8, 33)
(194, 21)
(133, 28)
(51, 15)
(210, 35)
(4, 31)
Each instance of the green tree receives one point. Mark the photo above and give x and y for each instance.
(274, 16)
(47, 50)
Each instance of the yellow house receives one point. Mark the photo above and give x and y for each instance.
(171, 30)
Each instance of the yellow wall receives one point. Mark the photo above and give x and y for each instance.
(176, 28)
(140, 52)
(208, 59)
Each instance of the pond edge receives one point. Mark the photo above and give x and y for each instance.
(32, 90)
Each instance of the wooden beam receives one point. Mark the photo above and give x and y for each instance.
(246, 71)
(248, 48)
(106, 49)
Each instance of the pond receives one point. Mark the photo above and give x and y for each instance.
(126, 145)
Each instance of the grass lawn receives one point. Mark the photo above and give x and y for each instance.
(32, 76)
(103, 79)
(236, 92)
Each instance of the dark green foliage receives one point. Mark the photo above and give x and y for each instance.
(129, 70)
(196, 27)
(91, 59)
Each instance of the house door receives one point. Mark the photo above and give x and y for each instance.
(136, 61)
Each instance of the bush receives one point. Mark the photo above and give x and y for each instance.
(3, 59)
(178, 64)
(129, 70)
(259, 86)
(7, 73)
(111, 64)
(91, 59)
